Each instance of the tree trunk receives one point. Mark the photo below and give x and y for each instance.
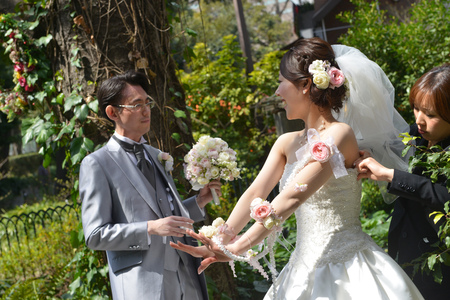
(109, 38)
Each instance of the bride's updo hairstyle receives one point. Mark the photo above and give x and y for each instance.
(294, 67)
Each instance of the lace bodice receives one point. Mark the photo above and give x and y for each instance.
(328, 225)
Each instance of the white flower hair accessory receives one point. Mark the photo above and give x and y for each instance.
(164, 156)
(325, 76)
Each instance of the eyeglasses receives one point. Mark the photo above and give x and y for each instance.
(138, 107)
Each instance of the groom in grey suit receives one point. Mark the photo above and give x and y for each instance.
(134, 216)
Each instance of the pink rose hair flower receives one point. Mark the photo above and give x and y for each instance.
(320, 151)
(337, 78)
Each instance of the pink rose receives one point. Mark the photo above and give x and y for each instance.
(261, 211)
(320, 151)
(337, 78)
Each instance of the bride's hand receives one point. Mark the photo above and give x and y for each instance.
(210, 253)
(200, 251)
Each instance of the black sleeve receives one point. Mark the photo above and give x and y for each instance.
(419, 188)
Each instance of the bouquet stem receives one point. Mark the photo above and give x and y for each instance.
(215, 197)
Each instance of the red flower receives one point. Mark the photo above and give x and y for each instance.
(31, 68)
(22, 81)
(18, 67)
(29, 88)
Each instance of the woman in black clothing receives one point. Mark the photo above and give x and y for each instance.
(412, 231)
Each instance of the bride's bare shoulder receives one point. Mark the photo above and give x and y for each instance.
(289, 137)
(341, 131)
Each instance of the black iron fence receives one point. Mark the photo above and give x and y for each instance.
(16, 228)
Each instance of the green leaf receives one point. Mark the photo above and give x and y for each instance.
(67, 129)
(431, 261)
(437, 217)
(93, 105)
(75, 284)
(79, 148)
(180, 114)
(81, 112)
(71, 101)
(60, 98)
(40, 96)
(191, 32)
(176, 137)
(43, 41)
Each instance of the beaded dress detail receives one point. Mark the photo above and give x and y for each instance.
(334, 258)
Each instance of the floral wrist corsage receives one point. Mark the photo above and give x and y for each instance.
(263, 212)
(164, 156)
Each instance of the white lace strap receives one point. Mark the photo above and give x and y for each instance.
(321, 151)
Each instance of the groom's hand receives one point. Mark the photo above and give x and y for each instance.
(205, 196)
(169, 226)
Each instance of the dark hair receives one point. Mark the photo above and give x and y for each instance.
(110, 91)
(433, 87)
(294, 67)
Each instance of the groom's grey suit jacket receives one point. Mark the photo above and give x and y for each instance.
(117, 202)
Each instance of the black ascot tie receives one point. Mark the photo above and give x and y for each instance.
(144, 165)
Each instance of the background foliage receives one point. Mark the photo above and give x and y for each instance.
(404, 48)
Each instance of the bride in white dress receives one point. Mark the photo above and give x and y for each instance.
(334, 258)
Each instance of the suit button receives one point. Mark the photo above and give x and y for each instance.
(404, 235)
(160, 199)
(166, 215)
(167, 190)
(131, 247)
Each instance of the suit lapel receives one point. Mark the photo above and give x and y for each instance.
(133, 175)
(153, 152)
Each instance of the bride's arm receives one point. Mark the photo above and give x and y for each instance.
(263, 184)
(315, 174)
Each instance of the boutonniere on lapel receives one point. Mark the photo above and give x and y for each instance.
(168, 159)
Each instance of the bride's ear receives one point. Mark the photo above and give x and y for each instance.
(306, 85)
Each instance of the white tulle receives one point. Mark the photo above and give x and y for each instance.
(334, 259)
(370, 109)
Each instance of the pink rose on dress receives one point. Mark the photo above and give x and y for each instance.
(320, 151)
(337, 78)
(261, 211)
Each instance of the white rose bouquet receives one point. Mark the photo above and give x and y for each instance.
(210, 159)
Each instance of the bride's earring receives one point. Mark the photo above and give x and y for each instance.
(304, 92)
(322, 127)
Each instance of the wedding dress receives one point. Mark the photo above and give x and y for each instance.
(334, 258)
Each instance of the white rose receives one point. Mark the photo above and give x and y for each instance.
(208, 231)
(321, 79)
(315, 66)
(202, 180)
(203, 140)
(255, 202)
(224, 157)
(268, 223)
(215, 171)
(218, 222)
